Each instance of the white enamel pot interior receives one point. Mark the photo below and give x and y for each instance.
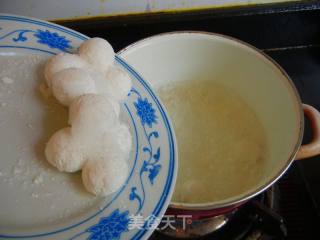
(179, 56)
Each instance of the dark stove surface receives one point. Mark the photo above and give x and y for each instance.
(303, 66)
(290, 201)
(290, 34)
(256, 220)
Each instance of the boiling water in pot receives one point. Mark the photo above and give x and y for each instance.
(222, 144)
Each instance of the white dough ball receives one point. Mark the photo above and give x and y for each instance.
(103, 87)
(100, 81)
(71, 83)
(65, 152)
(62, 61)
(118, 83)
(98, 52)
(104, 176)
(115, 142)
(124, 139)
(92, 114)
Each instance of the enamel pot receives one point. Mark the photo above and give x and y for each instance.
(261, 82)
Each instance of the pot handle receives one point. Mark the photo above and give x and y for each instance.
(313, 148)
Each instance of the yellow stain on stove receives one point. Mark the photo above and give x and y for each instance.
(105, 15)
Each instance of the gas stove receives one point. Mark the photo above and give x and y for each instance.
(281, 212)
(290, 34)
(257, 219)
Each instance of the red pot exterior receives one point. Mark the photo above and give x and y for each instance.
(202, 214)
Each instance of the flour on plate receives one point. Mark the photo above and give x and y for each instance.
(27, 181)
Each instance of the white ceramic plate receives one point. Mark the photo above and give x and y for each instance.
(38, 202)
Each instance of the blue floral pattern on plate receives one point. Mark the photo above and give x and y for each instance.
(51, 39)
(145, 111)
(111, 227)
(147, 115)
